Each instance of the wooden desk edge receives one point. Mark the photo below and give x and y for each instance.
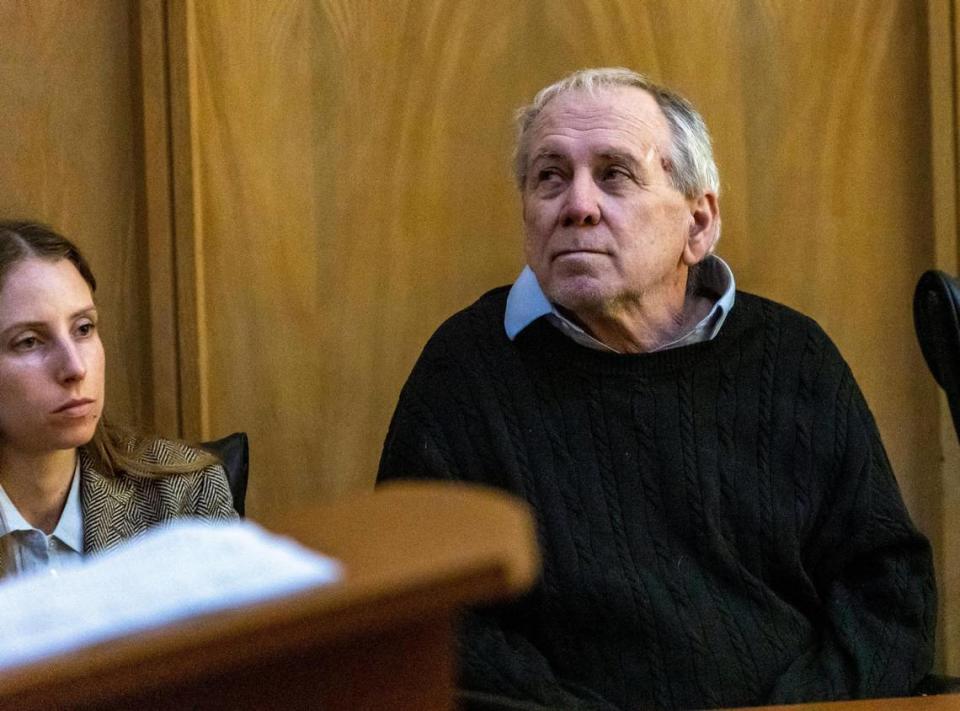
(944, 702)
(445, 574)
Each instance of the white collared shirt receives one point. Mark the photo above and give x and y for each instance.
(32, 549)
(526, 302)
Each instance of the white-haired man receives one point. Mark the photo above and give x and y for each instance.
(718, 519)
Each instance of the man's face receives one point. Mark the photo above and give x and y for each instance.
(604, 226)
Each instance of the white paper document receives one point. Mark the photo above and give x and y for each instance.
(185, 568)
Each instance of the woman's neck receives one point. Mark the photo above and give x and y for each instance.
(38, 484)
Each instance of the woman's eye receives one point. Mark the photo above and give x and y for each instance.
(26, 343)
(87, 328)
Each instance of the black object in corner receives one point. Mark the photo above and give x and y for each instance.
(234, 451)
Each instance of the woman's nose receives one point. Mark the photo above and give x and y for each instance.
(582, 207)
(71, 363)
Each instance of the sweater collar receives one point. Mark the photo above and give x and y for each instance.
(526, 303)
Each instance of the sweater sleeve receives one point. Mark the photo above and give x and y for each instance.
(500, 667)
(873, 572)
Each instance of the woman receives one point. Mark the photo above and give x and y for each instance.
(71, 484)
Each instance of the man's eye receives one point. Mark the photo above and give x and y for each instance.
(86, 328)
(616, 173)
(547, 175)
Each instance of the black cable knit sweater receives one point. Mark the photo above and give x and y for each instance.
(719, 522)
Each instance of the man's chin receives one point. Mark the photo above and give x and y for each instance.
(581, 297)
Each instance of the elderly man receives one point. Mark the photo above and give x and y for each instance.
(718, 518)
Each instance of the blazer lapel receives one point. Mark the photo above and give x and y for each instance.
(106, 503)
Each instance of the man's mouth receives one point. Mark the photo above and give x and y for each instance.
(576, 252)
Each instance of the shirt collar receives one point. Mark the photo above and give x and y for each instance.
(69, 530)
(70, 527)
(526, 302)
(11, 515)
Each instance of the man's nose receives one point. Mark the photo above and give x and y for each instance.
(582, 207)
(71, 365)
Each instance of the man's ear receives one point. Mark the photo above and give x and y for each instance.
(704, 228)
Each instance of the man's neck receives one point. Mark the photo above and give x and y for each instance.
(38, 484)
(637, 327)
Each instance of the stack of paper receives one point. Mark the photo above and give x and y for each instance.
(186, 568)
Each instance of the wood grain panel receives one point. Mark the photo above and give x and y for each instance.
(154, 65)
(71, 158)
(355, 171)
(354, 168)
(187, 209)
(944, 73)
(257, 160)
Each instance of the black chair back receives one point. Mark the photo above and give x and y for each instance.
(936, 317)
(234, 451)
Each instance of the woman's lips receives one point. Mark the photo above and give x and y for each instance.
(80, 407)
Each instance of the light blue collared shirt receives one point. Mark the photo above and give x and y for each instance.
(526, 302)
(32, 549)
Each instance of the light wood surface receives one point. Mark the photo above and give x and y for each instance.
(944, 29)
(70, 156)
(947, 702)
(158, 209)
(413, 554)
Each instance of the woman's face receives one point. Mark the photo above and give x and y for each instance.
(51, 358)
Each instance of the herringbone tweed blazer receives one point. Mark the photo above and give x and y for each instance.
(119, 507)
(116, 508)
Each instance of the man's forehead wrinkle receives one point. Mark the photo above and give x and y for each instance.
(577, 122)
(614, 106)
(549, 153)
(625, 132)
(557, 145)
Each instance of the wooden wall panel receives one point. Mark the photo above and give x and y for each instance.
(353, 160)
(69, 156)
(268, 338)
(158, 208)
(944, 32)
(354, 167)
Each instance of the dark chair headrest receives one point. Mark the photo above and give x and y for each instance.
(234, 451)
(936, 316)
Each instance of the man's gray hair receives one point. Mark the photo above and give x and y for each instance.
(694, 171)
